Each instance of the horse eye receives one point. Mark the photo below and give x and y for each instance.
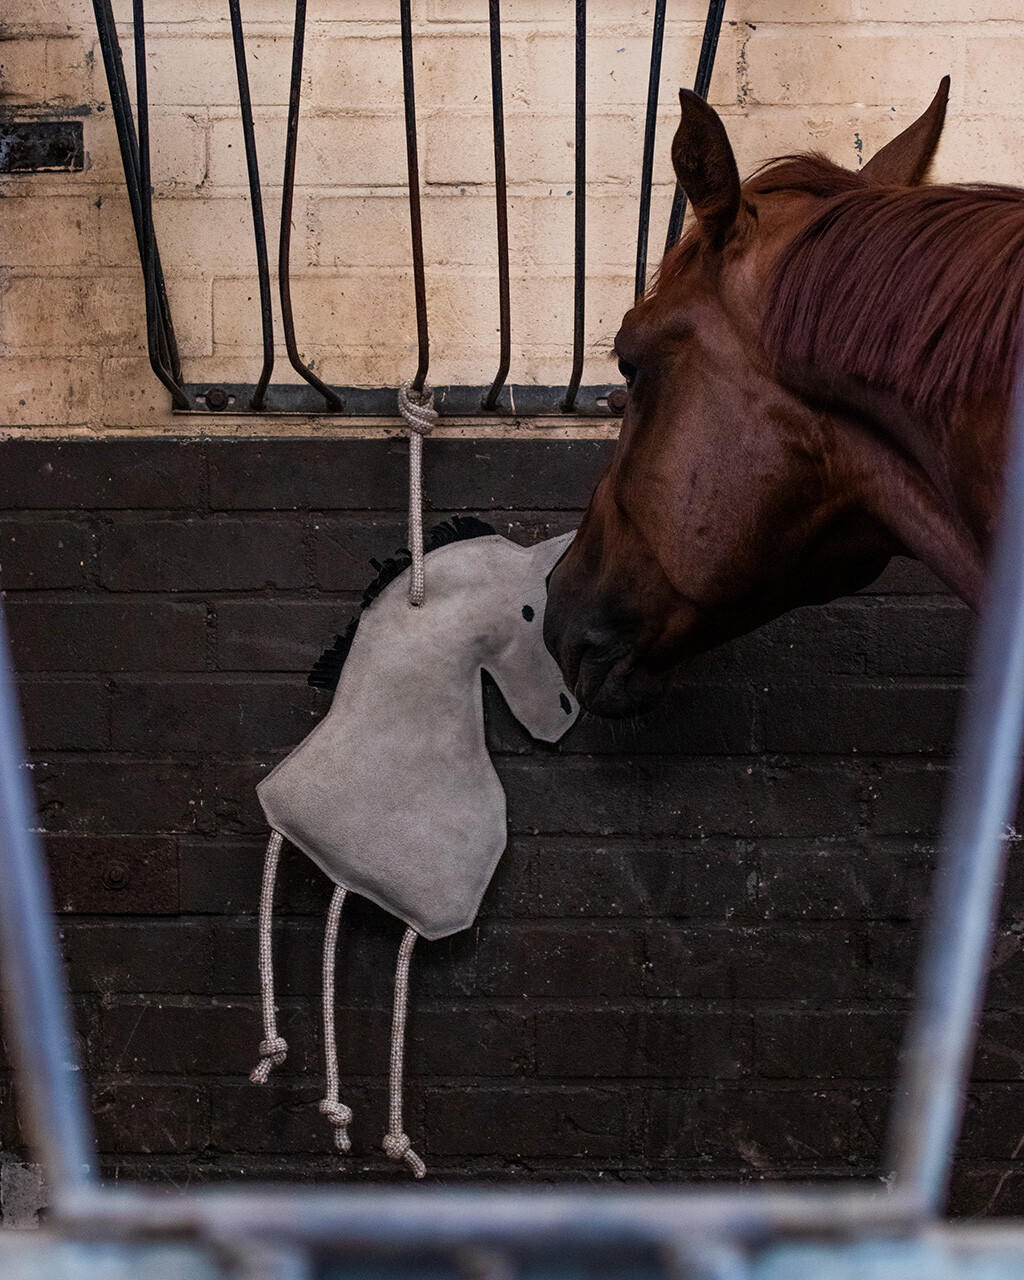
(627, 370)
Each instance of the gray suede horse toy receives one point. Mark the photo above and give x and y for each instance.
(393, 795)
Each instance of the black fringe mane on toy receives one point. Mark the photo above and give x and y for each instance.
(327, 669)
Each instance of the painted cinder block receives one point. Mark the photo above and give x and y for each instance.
(61, 232)
(104, 313)
(846, 65)
(58, 70)
(178, 151)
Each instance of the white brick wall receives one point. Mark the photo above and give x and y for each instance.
(839, 75)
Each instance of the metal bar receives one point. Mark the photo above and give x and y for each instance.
(701, 86)
(287, 200)
(415, 217)
(393, 1220)
(38, 1025)
(647, 166)
(256, 200)
(515, 400)
(943, 1030)
(128, 144)
(501, 207)
(155, 338)
(580, 270)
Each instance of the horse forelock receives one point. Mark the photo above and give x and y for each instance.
(810, 173)
(913, 291)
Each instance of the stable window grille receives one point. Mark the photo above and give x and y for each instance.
(328, 394)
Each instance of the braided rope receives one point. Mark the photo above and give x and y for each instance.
(273, 1048)
(418, 413)
(396, 1143)
(332, 1107)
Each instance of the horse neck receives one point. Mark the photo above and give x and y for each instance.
(959, 459)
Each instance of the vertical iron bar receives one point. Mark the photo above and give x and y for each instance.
(501, 206)
(128, 144)
(943, 1030)
(647, 168)
(579, 282)
(38, 1024)
(153, 323)
(701, 86)
(415, 219)
(287, 200)
(256, 200)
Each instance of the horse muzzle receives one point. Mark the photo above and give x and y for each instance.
(598, 664)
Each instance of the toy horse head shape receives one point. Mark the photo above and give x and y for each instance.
(393, 794)
(818, 380)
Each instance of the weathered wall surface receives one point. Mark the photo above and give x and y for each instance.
(695, 960)
(841, 75)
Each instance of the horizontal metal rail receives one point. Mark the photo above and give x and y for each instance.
(446, 1218)
(519, 401)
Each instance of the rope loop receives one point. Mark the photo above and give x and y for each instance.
(417, 408)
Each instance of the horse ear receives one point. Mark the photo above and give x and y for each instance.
(905, 160)
(706, 167)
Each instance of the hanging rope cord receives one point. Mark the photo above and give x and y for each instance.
(273, 1048)
(337, 1113)
(396, 1142)
(419, 415)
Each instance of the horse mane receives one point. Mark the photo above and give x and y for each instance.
(326, 670)
(913, 290)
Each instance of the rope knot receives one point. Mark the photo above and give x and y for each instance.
(341, 1117)
(398, 1147)
(417, 409)
(273, 1052)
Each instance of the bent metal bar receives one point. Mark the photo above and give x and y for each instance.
(316, 395)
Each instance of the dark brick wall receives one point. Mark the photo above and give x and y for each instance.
(695, 959)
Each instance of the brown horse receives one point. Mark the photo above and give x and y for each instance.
(819, 379)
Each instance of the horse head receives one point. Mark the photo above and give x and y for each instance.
(730, 498)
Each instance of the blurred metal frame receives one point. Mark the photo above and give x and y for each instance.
(683, 1224)
(693, 1232)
